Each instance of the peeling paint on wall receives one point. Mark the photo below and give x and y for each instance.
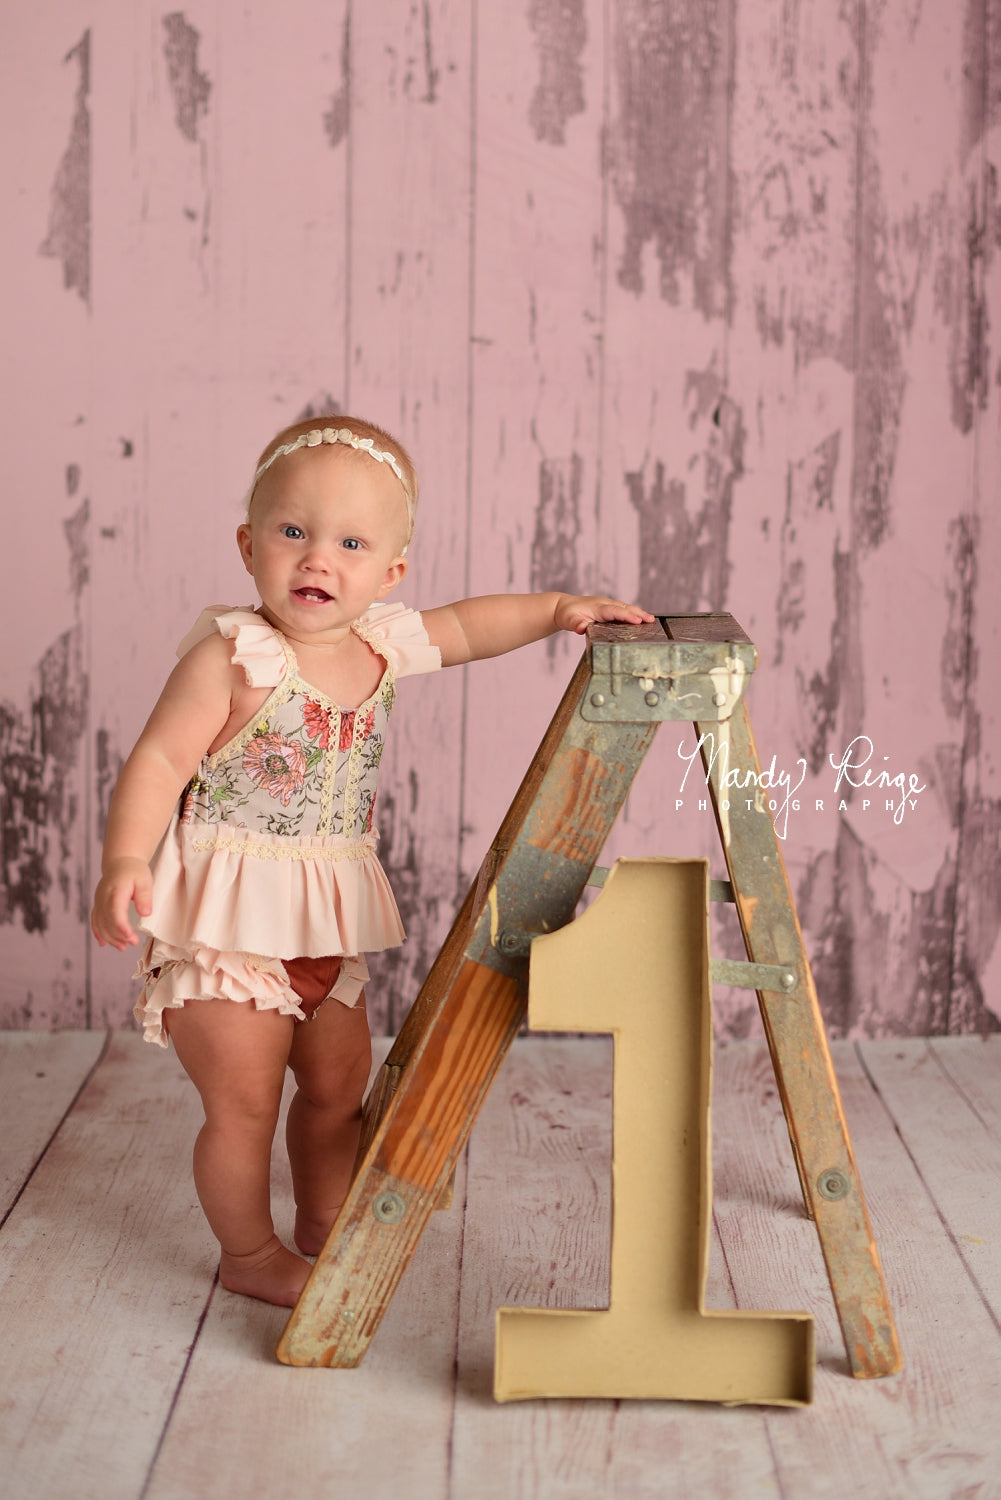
(979, 920)
(961, 289)
(724, 465)
(882, 966)
(39, 759)
(879, 393)
(560, 30)
(992, 50)
(809, 493)
(960, 582)
(683, 544)
(76, 529)
(190, 88)
(668, 541)
(879, 380)
(39, 751)
(981, 74)
(681, 567)
(322, 405)
(337, 117)
(557, 525)
(821, 694)
(108, 763)
(401, 971)
(68, 238)
(926, 949)
(809, 488)
(431, 73)
(668, 149)
(828, 940)
(795, 189)
(412, 72)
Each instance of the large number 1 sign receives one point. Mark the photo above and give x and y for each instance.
(636, 964)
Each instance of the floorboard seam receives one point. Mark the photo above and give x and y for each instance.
(450, 1440)
(943, 1065)
(175, 1398)
(62, 1121)
(776, 1471)
(726, 1258)
(931, 1196)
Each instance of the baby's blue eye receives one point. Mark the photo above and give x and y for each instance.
(352, 543)
(293, 533)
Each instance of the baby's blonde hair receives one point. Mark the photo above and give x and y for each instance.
(368, 436)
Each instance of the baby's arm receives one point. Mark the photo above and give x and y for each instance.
(192, 709)
(474, 628)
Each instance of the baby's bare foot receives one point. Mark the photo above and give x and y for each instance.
(271, 1273)
(311, 1233)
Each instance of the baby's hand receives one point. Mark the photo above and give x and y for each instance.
(577, 613)
(126, 879)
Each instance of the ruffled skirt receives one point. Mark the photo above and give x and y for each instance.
(231, 906)
(217, 886)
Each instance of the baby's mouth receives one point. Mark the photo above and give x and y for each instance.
(314, 595)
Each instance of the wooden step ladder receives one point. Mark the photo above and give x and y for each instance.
(421, 1109)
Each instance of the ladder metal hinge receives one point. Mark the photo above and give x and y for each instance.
(642, 683)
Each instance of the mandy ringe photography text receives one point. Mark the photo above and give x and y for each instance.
(774, 790)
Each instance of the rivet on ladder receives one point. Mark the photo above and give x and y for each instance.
(832, 1185)
(389, 1208)
(513, 941)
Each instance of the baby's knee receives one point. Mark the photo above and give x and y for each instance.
(244, 1109)
(342, 1095)
(331, 1056)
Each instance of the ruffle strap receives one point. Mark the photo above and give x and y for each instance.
(258, 649)
(397, 633)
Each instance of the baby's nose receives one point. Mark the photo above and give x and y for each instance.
(317, 557)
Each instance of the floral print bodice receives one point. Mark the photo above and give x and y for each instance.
(303, 767)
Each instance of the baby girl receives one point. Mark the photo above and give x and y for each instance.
(241, 827)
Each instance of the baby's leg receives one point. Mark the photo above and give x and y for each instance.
(331, 1057)
(235, 1055)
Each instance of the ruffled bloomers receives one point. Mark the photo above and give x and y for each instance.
(171, 976)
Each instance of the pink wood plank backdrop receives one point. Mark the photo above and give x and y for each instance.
(694, 300)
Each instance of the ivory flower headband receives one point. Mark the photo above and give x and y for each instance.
(318, 435)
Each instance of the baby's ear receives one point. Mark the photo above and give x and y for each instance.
(245, 542)
(395, 574)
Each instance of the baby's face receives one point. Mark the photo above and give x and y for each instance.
(324, 539)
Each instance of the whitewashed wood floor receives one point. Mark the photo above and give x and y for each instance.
(126, 1373)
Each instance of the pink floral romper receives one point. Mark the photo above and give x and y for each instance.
(271, 853)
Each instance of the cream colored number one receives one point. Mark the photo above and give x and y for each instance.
(636, 965)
